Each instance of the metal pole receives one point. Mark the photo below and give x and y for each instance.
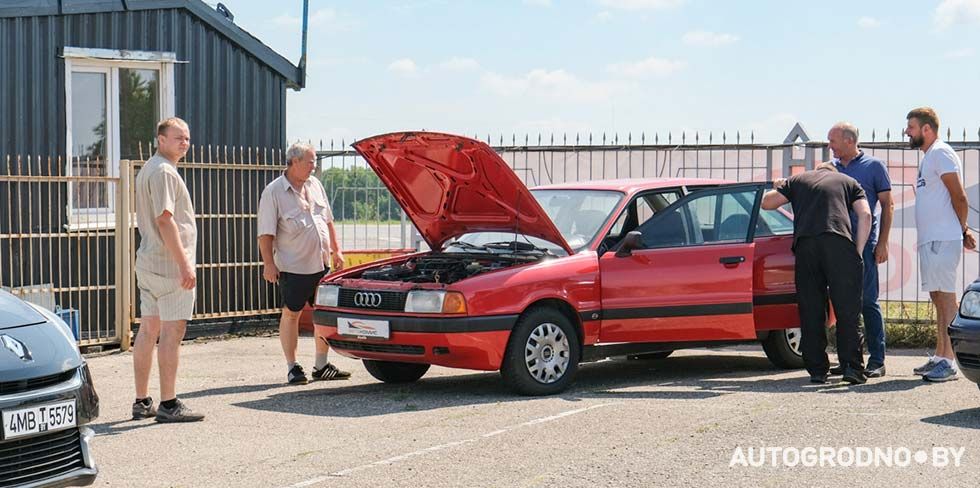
(123, 251)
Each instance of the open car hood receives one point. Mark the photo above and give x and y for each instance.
(452, 185)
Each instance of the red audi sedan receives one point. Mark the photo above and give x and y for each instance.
(533, 282)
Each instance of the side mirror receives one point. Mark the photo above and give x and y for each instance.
(630, 242)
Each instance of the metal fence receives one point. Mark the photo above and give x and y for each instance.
(543, 160)
(58, 248)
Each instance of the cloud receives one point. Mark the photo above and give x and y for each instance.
(459, 64)
(551, 84)
(710, 39)
(641, 4)
(868, 23)
(319, 18)
(646, 68)
(604, 16)
(539, 3)
(957, 12)
(966, 52)
(403, 66)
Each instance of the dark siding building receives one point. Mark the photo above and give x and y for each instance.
(229, 86)
(82, 86)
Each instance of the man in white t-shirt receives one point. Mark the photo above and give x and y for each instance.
(941, 209)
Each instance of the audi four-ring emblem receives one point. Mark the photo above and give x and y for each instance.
(367, 299)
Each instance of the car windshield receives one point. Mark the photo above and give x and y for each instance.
(578, 214)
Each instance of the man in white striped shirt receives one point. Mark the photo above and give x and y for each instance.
(165, 272)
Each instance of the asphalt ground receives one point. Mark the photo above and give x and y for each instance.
(681, 421)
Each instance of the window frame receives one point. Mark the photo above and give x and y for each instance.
(700, 192)
(109, 62)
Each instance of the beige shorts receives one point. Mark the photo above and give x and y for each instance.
(163, 297)
(938, 263)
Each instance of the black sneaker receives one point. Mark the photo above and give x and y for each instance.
(854, 377)
(297, 376)
(819, 379)
(329, 372)
(144, 410)
(837, 370)
(180, 413)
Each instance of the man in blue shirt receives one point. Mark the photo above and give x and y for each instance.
(872, 174)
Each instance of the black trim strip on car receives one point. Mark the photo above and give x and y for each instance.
(440, 325)
(781, 299)
(590, 315)
(598, 352)
(677, 311)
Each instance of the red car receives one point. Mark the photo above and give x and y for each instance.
(534, 282)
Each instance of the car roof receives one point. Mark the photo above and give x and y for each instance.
(632, 185)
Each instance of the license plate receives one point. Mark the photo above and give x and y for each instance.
(37, 419)
(375, 329)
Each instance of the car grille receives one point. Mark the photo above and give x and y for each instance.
(38, 458)
(969, 360)
(390, 300)
(20, 386)
(371, 347)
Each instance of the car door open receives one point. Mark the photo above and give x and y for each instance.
(690, 277)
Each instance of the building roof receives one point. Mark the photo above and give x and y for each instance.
(31, 8)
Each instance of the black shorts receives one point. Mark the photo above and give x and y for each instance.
(297, 290)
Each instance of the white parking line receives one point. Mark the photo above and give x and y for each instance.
(448, 445)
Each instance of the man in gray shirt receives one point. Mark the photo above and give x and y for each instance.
(297, 239)
(165, 273)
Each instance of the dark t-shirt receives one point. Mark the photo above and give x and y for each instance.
(821, 200)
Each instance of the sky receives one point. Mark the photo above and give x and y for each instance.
(529, 67)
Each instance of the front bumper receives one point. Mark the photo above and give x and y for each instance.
(84, 476)
(456, 342)
(964, 333)
(75, 465)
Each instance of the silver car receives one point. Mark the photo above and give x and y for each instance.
(46, 399)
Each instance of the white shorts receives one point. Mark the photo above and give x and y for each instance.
(938, 263)
(163, 297)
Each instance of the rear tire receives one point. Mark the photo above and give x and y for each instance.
(782, 347)
(542, 353)
(394, 372)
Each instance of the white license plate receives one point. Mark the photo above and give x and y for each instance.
(38, 418)
(375, 329)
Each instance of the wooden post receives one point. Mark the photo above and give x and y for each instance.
(124, 275)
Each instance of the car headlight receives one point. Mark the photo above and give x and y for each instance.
(970, 305)
(429, 301)
(327, 295)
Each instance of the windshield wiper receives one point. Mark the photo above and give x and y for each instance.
(516, 246)
(467, 245)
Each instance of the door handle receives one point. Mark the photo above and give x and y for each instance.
(729, 260)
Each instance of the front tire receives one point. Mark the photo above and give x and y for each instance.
(542, 353)
(394, 372)
(782, 347)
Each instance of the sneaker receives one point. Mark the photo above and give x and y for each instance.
(927, 367)
(818, 379)
(854, 377)
(143, 411)
(837, 370)
(297, 376)
(329, 372)
(942, 372)
(875, 371)
(180, 413)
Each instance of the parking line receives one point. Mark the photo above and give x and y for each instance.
(448, 445)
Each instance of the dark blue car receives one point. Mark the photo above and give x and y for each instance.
(46, 399)
(965, 333)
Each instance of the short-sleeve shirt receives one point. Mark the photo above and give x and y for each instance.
(160, 188)
(821, 202)
(935, 218)
(298, 223)
(872, 174)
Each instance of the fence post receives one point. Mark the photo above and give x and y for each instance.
(123, 251)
